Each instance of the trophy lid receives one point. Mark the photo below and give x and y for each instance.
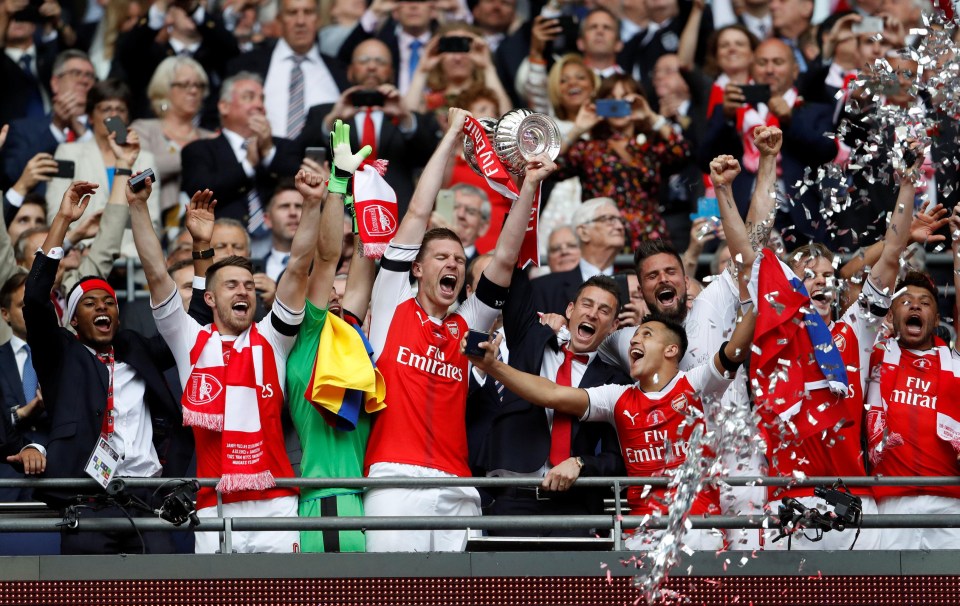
(489, 125)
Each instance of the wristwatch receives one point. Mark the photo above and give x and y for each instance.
(579, 461)
(203, 254)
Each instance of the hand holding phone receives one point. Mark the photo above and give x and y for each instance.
(454, 44)
(138, 183)
(755, 94)
(474, 339)
(613, 108)
(115, 125)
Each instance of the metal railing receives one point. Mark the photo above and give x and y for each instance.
(616, 521)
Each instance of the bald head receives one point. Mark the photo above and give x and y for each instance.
(371, 64)
(775, 65)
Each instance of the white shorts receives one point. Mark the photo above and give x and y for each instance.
(744, 500)
(257, 541)
(832, 541)
(919, 538)
(446, 501)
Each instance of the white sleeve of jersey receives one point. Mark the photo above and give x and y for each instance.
(179, 330)
(615, 349)
(711, 321)
(477, 314)
(860, 317)
(281, 343)
(390, 289)
(707, 381)
(873, 399)
(603, 401)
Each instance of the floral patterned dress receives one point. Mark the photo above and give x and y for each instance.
(635, 185)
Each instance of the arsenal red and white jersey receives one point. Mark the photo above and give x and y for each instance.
(425, 374)
(918, 392)
(836, 450)
(653, 429)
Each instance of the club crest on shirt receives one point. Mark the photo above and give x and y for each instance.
(454, 329)
(922, 363)
(840, 341)
(655, 417)
(202, 389)
(679, 402)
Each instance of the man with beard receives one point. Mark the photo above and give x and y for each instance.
(233, 370)
(913, 418)
(422, 432)
(102, 385)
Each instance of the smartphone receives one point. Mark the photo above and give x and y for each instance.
(115, 125)
(623, 288)
(706, 207)
(454, 44)
(444, 206)
(474, 339)
(571, 28)
(259, 266)
(868, 25)
(140, 181)
(613, 108)
(368, 98)
(317, 154)
(65, 169)
(755, 94)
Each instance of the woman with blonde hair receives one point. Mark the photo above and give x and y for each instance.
(119, 16)
(176, 91)
(442, 76)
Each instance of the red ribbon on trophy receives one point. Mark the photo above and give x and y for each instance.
(502, 182)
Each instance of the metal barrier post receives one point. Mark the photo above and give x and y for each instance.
(617, 518)
(131, 283)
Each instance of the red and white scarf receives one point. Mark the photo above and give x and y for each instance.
(748, 119)
(500, 181)
(375, 207)
(227, 396)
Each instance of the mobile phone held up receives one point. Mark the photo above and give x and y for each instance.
(474, 339)
(755, 94)
(139, 182)
(454, 44)
(65, 169)
(317, 154)
(115, 125)
(612, 108)
(367, 98)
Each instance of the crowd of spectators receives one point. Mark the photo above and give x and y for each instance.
(691, 132)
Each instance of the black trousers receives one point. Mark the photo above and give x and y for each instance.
(528, 501)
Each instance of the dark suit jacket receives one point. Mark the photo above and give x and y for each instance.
(75, 386)
(258, 62)
(139, 53)
(406, 153)
(211, 163)
(804, 145)
(640, 55)
(519, 436)
(13, 105)
(551, 293)
(10, 378)
(25, 139)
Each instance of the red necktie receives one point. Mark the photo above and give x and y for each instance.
(71, 136)
(369, 135)
(561, 434)
(106, 427)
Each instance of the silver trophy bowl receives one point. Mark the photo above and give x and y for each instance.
(517, 137)
(522, 134)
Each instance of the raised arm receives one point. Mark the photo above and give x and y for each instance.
(760, 216)
(687, 50)
(532, 388)
(723, 170)
(884, 273)
(737, 348)
(72, 206)
(292, 288)
(329, 245)
(148, 246)
(414, 222)
(356, 296)
(500, 270)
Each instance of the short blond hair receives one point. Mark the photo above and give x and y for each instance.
(160, 84)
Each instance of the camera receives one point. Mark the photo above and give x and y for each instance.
(846, 506)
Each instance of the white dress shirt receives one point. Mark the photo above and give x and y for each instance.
(237, 144)
(403, 42)
(19, 353)
(132, 435)
(587, 270)
(318, 84)
(275, 265)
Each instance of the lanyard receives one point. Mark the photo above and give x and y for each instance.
(108, 415)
